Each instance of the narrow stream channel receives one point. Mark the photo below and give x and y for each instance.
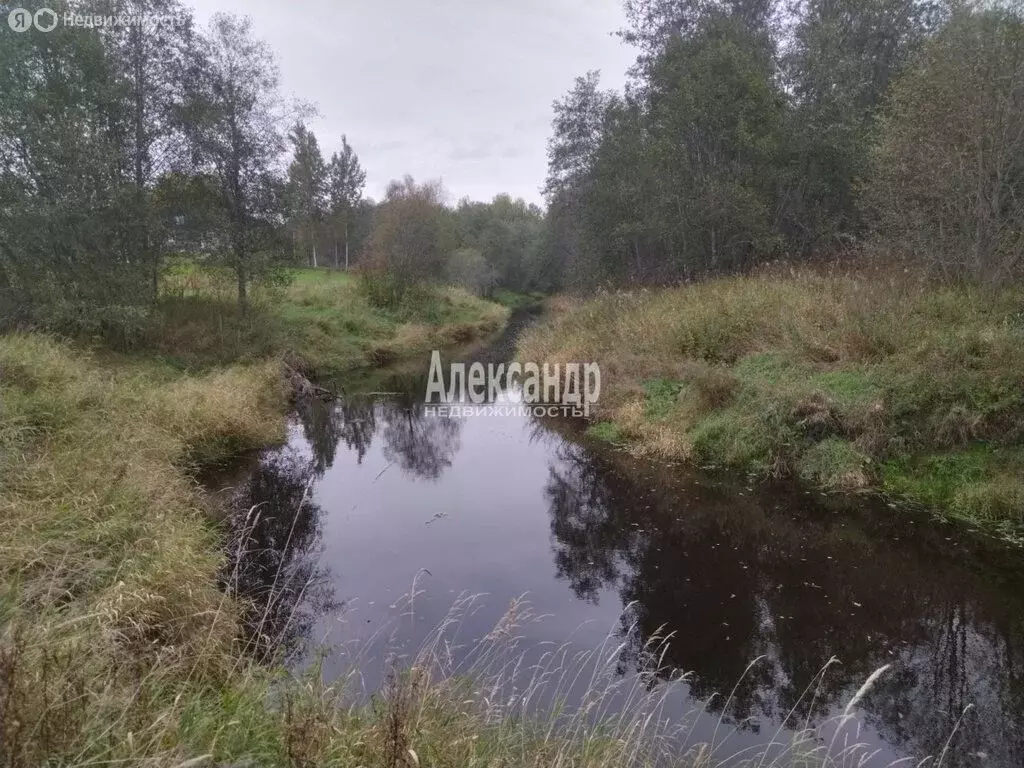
(370, 496)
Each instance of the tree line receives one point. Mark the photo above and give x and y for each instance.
(750, 130)
(418, 238)
(123, 145)
(413, 236)
(754, 130)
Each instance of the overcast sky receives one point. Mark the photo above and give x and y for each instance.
(455, 89)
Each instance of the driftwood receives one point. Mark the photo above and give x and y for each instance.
(302, 387)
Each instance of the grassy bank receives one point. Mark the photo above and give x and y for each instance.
(888, 384)
(322, 319)
(117, 642)
(110, 600)
(118, 646)
(515, 300)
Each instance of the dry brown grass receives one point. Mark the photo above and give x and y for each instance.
(760, 371)
(108, 561)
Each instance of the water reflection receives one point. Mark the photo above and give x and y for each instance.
(732, 573)
(273, 556)
(422, 447)
(736, 576)
(378, 490)
(274, 563)
(326, 425)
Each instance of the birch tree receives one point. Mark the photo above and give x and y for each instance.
(307, 186)
(237, 120)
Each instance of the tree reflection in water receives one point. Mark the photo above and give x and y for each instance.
(732, 573)
(326, 425)
(274, 555)
(736, 576)
(422, 447)
(273, 564)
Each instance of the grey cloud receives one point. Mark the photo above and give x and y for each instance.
(386, 146)
(454, 89)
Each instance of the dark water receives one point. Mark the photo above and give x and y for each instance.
(369, 495)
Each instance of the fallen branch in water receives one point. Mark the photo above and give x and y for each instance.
(302, 386)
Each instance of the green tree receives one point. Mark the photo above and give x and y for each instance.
(411, 239)
(843, 56)
(467, 268)
(236, 122)
(577, 125)
(150, 58)
(620, 221)
(546, 263)
(307, 186)
(652, 26)
(578, 130)
(345, 182)
(716, 117)
(505, 232)
(67, 249)
(947, 176)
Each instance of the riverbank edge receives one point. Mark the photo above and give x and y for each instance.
(894, 387)
(118, 642)
(322, 322)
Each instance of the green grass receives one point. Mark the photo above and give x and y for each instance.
(981, 484)
(109, 562)
(768, 367)
(660, 397)
(605, 430)
(321, 319)
(834, 464)
(849, 382)
(516, 300)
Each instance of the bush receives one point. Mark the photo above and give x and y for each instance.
(411, 237)
(118, 326)
(468, 269)
(381, 288)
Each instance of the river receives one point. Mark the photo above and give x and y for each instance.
(374, 520)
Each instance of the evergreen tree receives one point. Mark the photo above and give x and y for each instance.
(345, 182)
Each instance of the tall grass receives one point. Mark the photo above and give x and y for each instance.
(108, 561)
(501, 704)
(322, 318)
(850, 381)
(117, 644)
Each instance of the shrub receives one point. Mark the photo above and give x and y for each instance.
(411, 237)
(120, 326)
(468, 269)
(834, 464)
